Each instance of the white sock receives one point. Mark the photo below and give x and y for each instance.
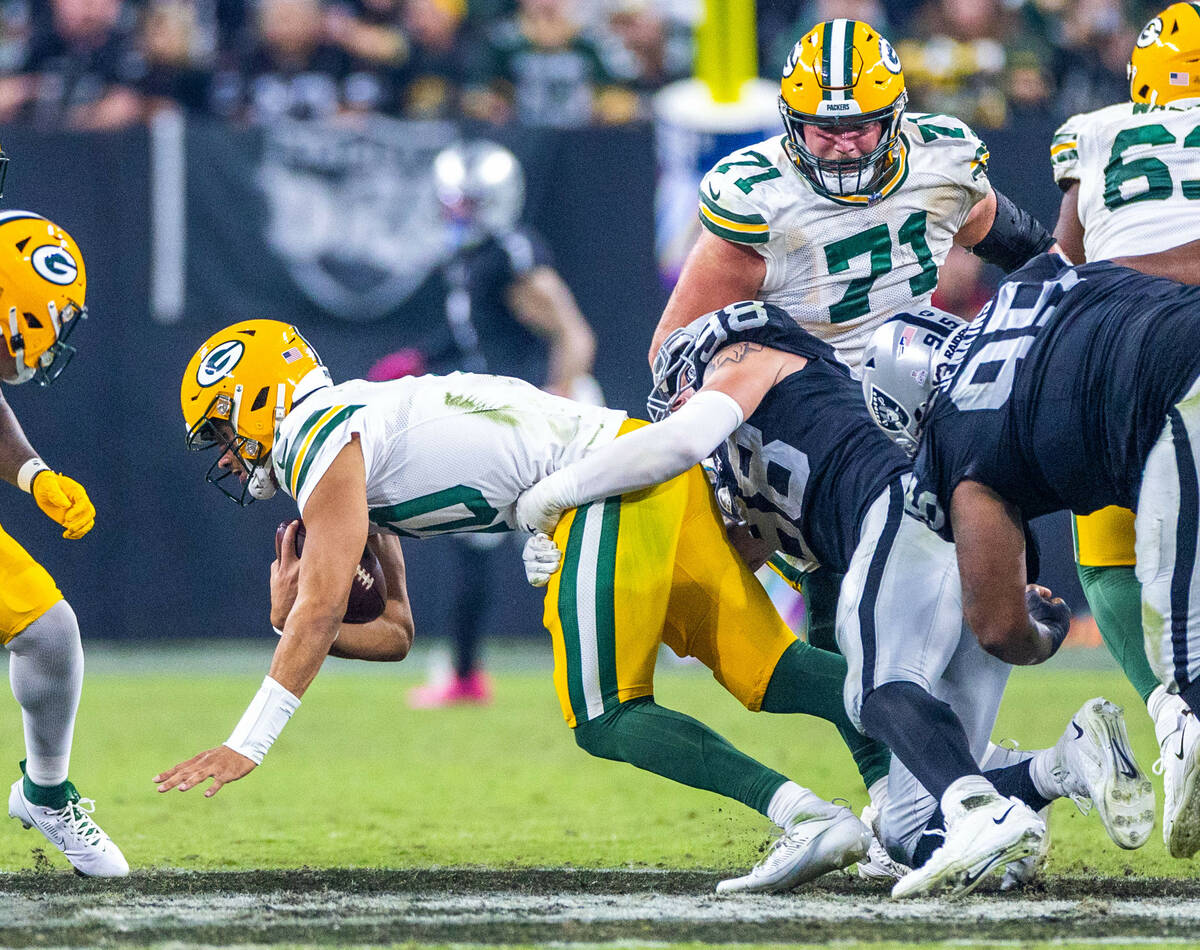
(1164, 709)
(791, 800)
(1041, 770)
(46, 673)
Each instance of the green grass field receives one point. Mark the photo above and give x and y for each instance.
(359, 780)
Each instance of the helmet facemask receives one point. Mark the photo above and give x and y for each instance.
(217, 429)
(674, 372)
(845, 176)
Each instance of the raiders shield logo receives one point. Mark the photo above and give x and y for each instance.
(888, 413)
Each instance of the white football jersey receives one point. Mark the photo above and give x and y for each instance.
(1138, 168)
(443, 454)
(843, 266)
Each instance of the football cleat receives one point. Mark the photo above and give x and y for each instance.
(878, 865)
(71, 830)
(472, 689)
(810, 846)
(1093, 762)
(984, 832)
(1179, 766)
(1024, 872)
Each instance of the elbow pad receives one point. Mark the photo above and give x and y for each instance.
(1016, 237)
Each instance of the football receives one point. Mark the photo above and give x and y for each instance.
(368, 590)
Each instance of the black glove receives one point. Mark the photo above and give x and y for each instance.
(1054, 618)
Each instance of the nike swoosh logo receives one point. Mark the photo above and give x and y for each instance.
(1000, 820)
(715, 195)
(1125, 764)
(970, 879)
(1078, 731)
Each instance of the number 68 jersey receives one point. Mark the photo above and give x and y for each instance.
(843, 265)
(1138, 168)
(443, 454)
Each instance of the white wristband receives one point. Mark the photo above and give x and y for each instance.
(26, 472)
(263, 720)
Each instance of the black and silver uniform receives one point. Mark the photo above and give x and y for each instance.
(809, 461)
(1057, 392)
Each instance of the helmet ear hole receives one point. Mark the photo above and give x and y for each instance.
(261, 399)
(32, 321)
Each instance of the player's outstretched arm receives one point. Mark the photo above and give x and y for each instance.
(1015, 622)
(62, 499)
(335, 519)
(716, 273)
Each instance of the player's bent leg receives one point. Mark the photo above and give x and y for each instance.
(1168, 517)
(46, 674)
(811, 681)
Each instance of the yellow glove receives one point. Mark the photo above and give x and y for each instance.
(64, 500)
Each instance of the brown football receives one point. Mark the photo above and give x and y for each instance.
(368, 590)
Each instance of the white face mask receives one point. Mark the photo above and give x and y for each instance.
(22, 373)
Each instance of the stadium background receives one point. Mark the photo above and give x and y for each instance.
(194, 209)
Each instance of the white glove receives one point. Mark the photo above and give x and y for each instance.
(542, 557)
(538, 511)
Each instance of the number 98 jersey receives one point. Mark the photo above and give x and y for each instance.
(1138, 168)
(841, 266)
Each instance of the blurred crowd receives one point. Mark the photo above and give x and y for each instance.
(89, 64)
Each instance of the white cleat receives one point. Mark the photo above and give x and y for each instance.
(1179, 765)
(72, 831)
(878, 866)
(808, 848)
(1093, 760)
(1022, 873)
(984, 832)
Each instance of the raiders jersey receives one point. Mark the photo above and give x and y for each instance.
(1059, 389)
(1138, 168)
(808, 462)
(843, 266)
(443, 454)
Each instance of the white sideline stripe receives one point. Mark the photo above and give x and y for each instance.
(585, 609)
(168, 224)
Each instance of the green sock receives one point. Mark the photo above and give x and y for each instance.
(678, 747)
(48, 796)
(821, 589)
(810, 681)
(1115, 597)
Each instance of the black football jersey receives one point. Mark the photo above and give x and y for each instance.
(1059, 389)
(809, 461)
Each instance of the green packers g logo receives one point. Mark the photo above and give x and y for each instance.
(793, 58)
(1150, 33)
(888, 55)
(220, 362)
(54, 263)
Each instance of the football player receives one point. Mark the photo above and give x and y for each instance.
(1130, 178)
(810, 475)
(425, 456)
(42, 285)
(1076, 388)
(844, 219)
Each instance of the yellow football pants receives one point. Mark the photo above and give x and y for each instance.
(1105, 538)
(26, 588)
(655, 567)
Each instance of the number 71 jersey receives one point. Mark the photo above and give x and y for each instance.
(841, 266)
(1138, 168)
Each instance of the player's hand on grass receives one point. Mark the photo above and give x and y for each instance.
(65, 501)
(221, 764)
(285, 578)
(542, 558)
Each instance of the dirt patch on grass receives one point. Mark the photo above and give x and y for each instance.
(457, 905)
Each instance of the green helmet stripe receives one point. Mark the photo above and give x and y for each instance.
(826, 57)
(848, 58)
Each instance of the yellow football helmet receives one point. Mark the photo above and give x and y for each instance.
(236, 390)
(1165, 64)
(42, 289)
(843, 74)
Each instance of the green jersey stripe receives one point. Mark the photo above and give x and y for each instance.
(297, 441)
(826, 57)
(737, 237)
(606, 626)
(729, 215)
(568, 615)
(318, 440)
